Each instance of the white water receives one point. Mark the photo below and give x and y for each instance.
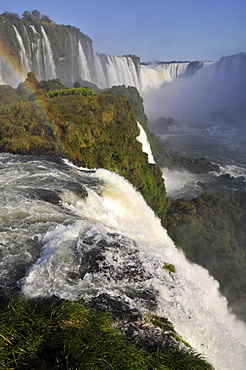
(37, 55)
(51, 239)
(84, 70)
(23, 55)
(104, 70)
(215, 87)
(183, 184)
(50, 70)
(154, 76)
(99, 78)
(120, 71)
(142, 138)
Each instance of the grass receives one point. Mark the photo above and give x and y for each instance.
(57, 334)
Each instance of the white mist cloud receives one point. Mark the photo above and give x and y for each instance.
(190, 100)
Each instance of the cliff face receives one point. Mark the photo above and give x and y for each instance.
(47, 49)
(58, 51)
(91, 130)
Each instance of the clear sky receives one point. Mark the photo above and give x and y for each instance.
(163, 30)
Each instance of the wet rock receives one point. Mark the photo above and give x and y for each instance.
(115, 257)
(134, 326)
(201, 185)
(226, 181)
(146, 296)
(163, 125)
(48, 195)
(118, 309)
(77, 188)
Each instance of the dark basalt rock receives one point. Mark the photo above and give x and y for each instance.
(77, 188)
(48, 196)
(146, 296)
(163, 125)
(54, 196)
(231, 181)
(118, 309)
(201, 185)
(126, 265)
(131, 322)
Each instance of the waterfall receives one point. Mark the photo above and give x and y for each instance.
(100, 78)
(51, 241)
(142, 138)
(49, 65)
(219, 86)
(36, 48)
(153, 75)
(77, 60)
(120, 71)
(2, 82)
(84, 70)
(23, 55)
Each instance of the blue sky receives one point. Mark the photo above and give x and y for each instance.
(153, 30)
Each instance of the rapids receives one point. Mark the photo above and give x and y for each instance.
(56, 218)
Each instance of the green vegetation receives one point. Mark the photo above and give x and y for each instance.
(164, 324)
(211, 231)
(163, 157)
(56, 334)
(91, 129)
(64, 41)
(169, 267)
(32, 16)
(137, 105)
(74, 91)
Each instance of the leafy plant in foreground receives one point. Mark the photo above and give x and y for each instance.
(58, 334)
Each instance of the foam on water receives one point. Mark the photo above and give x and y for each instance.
(190, 298)
(51, 242)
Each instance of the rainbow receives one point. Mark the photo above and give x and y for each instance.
(12, 72)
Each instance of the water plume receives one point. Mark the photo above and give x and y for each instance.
(215, 92)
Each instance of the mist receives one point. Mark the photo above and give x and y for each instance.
(216, 92)
(180, 183)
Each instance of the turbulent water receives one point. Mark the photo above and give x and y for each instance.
(76, 233)
(56, 219)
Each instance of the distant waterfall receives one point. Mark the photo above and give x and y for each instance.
(153, 75)
(50, 72)
(120, 71)
(36, 48)
(216, 87)
(69, 55)
(23, 55)
(84, 70)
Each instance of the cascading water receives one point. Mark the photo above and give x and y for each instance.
(38, 61)
(84, 70)
(142, 138)
(23, 55)
(120, 71)
(49, 65)
(53, 215)
(153, 75)
(77, 61)
(209, 107)
(215, 87)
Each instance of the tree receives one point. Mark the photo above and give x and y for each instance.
(10, 15)
(31, 78)
(27, 16)
(36, 15)
(45, 18)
